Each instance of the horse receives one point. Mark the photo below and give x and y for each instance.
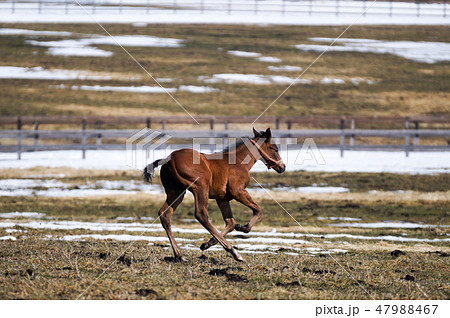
(220, 176)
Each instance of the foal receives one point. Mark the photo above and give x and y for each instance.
(220, 176)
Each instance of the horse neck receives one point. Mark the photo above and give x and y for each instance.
(241, 153)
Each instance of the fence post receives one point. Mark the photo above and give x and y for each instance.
(202, 6)
(13, 7)
(174, 6)
(99, 136)
(229, 7)
(283, 7)
(120, 6)
(364, 7)
(19, 138)
(352, 136)
(390, 7)
(416, 136)
(211, 127)
(277, 123)
(163, 125)
(342, 139)
(147, 7)
(40, 6)
(256, 7)
(407, 137)
(310, 7)
(36, 135)
(445, 8)
(93, 6)
(148, 122)
(66, 7)
(337, 8)
(225, 139)
(418, 9)
(83, 138)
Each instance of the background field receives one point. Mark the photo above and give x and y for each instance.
(401, 86)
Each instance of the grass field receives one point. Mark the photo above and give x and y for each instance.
(330, 261)
(401, 86)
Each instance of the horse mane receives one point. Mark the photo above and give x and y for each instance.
(234, 145)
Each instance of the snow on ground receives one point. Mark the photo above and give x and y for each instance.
(269, 12)
(258, 79)
(388, 224)
(426, 52)
(9, 72)
(41, 73)
(337, 218)
(146, 89)
(8, 237)
(6, 31)
(13, 215)
(353, 161)
(53, 188)
(254, 79)
(303, 189)
(258, 242)
(257, 56)
(284, 68)
(84, 46)
(133, 89)
(198, 89)
(269, 59)
(244, 54)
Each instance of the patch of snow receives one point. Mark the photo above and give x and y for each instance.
(83, 47)
(13, 215)
(244, 54)
(338, 218)
(353, 161)
(255, 79)
(79, 51)
(388, 224)
(269, 59)
(7, 238)
(7, 31)
(164, 80)
(9, 72)
(197, 89)
(284, 68)
(13, 184)
(133, 89)
(425, 52)
(12, 230)
(119, 237)
(328, 80)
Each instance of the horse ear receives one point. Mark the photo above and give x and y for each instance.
(268, 134)
(257, 133)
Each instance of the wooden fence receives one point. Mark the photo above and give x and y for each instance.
(345, 131)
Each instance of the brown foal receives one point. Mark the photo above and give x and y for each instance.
(220, 176)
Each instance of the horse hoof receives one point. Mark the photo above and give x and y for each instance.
(238, 227)
(204, 246)
(236, 255)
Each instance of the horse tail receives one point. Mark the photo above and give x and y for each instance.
(149, 171)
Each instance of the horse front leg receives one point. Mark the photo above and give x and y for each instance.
(245, 198)
(225, 208)
(201, 214)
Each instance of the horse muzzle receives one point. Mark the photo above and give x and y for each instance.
(280, 168)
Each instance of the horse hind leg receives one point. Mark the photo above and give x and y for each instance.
(227, 214)
(165, 214)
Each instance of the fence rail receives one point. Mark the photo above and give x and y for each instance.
(80, 137)
(231, 7)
